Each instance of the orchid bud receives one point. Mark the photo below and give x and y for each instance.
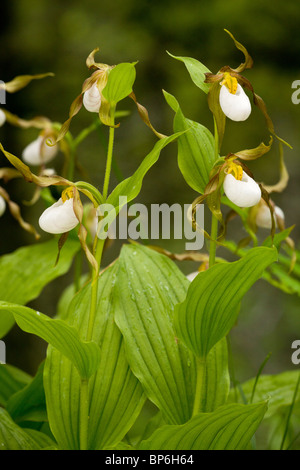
(2, 206)
(59, 218)
(92, 99)
(236, 106)
(244, 192)
(263, 215)
(38, 152)
(2, 117)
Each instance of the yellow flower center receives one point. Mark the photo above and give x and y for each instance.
(230, 82)
(235, 169)
(67, 194)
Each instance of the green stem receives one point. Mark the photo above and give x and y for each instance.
(84, 414)
(98, 251)
(109, 155)
(212, 244)
(214, 220)
(199, 396)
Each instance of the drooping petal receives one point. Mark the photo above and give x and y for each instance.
(244, 193)
(92, 99)
(38, 152)
(236, 107)
(59, 218)
(2, 206)
(2, 117)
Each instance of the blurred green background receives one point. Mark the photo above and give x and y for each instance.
(40, 36)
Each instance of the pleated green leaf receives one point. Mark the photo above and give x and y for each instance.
(149, 285)
(217, 380)
(116, 396)
(230, 427)
(12, 437)
(65, 338)
(212, 302)
(26, 271)
(29, 404)
(278, 389)
(196, 148)
(196, 70)
(12, 380)
(120, 81)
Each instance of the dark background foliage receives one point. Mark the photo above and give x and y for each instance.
(41, 36)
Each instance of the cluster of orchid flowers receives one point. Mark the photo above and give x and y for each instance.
(229, 176)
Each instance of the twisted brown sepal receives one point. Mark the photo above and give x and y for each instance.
(82, 232)
(38, 122)
(27, 174)
(248, 59)
(21, 81)
(16, 213)
(283, 175)
(145, 116)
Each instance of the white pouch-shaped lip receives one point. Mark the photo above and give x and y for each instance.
(2, 205)
(38, 152)
(59, 218)
(263, 216)
(2, 117)
(92, 99)
(244, 192)
(236, 107)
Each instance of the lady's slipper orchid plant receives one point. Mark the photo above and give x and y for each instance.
(234, 102)
(59, 218)
(241, 189)
(263, 217)
(92, 99)
(39, 152)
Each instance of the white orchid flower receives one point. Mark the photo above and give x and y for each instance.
(192, 276)
(2, 117)
(59, 218)
(234, 102)
(240, 188)
(263, 217)
(92, 99)
(39, 152)
(2, 206)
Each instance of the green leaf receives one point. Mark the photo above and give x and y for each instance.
(12, 380)
(131, 186)
(116, 396)
(230, 427)
(149, 285)
(12, 437)
(196, 148)
(29, 404)
(26, 271)
(197, 71)
(84, 355)
(278, 389)
(217, 380)
(212, 302)
(120, 81)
